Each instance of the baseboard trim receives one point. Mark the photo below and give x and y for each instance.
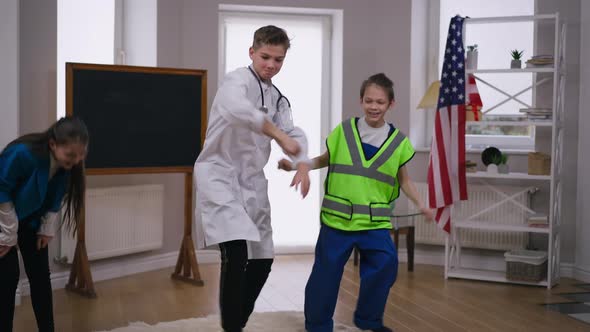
(123, 267)
(133, 265)
(581, 274)
(566, 270)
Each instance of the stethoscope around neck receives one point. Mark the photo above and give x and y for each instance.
(263, 108)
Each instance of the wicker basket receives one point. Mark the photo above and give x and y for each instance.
(526, 265)
(539, 163)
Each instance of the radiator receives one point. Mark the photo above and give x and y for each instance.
(119, 221)
(480, 197)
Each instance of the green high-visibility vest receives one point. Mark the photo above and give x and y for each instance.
(359, 193)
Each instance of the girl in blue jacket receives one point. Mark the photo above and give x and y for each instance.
(39, 173)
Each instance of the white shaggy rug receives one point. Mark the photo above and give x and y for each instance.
(278, 321)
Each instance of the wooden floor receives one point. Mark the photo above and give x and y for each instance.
(419, 301)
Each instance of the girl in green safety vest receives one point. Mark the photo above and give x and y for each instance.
(366, 158)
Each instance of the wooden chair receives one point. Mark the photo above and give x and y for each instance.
(406, 229)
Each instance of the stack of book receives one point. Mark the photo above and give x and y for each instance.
(538, 220)
(537, 113)
(540, 61)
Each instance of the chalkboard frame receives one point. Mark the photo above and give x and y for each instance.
(71, 69)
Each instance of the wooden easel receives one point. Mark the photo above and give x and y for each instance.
(187, 268)
(80, 278)
(187, 260)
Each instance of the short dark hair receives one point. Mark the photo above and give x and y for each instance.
(270, 35)
(382, 81)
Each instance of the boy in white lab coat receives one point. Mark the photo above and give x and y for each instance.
(233, 209)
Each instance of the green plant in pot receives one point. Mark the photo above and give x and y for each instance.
(516, 59)
(491, 158)
(503, 164)
(471, 57)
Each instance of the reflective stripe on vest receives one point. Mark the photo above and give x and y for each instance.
(347, 210)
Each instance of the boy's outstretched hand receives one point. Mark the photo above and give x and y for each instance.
(4, 250)
(301, 178)
(285, 165)
(289, 145)
(428, 213)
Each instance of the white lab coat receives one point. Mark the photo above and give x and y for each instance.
(231, 189)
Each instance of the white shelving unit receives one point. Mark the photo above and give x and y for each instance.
(526, 123)
(510, 71)
(513, 175)
(453, 249)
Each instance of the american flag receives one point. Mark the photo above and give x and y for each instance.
(446, 170)
(473, 98)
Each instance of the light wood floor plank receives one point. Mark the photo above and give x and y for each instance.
(419, 301)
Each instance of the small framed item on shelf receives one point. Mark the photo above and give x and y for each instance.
(539, 163)
(535, 113)
(537, 220)
(473, 113)
(470, 166)
(543, 60)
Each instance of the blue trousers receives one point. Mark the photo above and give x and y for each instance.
(378, 272)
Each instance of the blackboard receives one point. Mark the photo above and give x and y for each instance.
(140, 119)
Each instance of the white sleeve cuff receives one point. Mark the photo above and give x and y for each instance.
(259, 119)
(48, 224)
(302, 160)
(8, 226)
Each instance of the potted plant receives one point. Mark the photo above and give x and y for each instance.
(491, 158)
(516, 57)
(471, 57)
(503, 166)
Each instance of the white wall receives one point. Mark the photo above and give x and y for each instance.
(419, 64)
(582, 262)
(569, 13)
(140, 32)
(37, 68)
(8, 71)
(86, 33)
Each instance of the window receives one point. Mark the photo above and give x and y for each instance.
(495, 41)
(104, 32)
(307, 64)
(85, 33)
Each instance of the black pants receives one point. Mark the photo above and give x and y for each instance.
(241, 282)
(36, 264)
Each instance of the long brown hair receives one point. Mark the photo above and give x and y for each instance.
(66, 130)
